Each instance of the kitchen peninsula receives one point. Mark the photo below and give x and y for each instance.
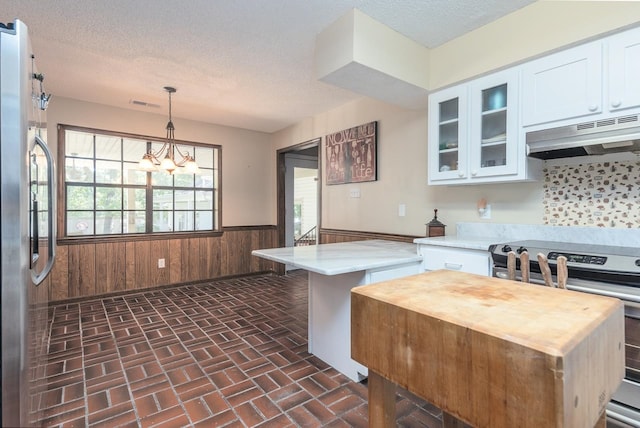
(334, 269)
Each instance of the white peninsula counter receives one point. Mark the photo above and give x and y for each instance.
(334, 269)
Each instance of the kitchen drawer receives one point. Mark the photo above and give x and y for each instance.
(386, 274)
(463, 260)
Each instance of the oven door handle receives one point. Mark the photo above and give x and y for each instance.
(628, 299)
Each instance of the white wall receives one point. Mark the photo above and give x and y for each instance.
(246, 199)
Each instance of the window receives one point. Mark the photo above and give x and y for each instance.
(105, 194)
(297, 219)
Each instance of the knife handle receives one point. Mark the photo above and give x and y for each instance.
(524, 266)
(511, 266)
(563, 272)
(545, 270)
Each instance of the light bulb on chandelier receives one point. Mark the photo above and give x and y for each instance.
(165, 158)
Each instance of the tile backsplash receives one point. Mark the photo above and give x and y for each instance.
(604, 194)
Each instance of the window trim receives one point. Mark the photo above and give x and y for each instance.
(61, 239)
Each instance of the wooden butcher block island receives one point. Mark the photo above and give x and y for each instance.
(490, 352)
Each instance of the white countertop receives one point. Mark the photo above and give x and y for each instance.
(456, 242)
(478, 236)
(345, 257)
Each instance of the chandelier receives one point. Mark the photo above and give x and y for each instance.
(165, 158)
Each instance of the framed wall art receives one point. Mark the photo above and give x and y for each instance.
(351, 155)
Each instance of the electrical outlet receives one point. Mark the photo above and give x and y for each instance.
(354, 193)
(486, 214)
(161, 263)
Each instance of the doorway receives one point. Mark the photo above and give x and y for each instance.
(299, 194)
(301, 199)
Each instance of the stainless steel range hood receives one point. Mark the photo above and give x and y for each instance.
(619, 134)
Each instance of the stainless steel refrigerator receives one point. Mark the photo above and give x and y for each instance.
(27, 229)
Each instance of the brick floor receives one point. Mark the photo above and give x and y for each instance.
(228, 353)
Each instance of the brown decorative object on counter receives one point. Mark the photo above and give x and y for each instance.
(435, 227)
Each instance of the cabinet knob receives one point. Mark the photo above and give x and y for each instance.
(474, 172)
(616, 103)
(460, 174)
(593, 107)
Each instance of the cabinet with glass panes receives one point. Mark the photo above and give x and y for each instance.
(494, 127)
(473, 131)
(447, 128)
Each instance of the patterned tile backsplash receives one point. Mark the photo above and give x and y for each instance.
(603, 194)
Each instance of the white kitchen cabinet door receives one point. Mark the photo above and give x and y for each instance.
(493, 140)
(448, 121)
(562, 86)
(624, 70)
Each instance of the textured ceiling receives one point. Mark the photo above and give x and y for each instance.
(246, 64)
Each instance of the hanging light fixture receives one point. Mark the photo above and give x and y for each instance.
(165, 158)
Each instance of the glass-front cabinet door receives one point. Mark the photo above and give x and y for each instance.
(448, 134)
(493, 140)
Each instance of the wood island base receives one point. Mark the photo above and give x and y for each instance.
(382, 406)
(491, 353)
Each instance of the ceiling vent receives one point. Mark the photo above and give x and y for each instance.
(143, 104)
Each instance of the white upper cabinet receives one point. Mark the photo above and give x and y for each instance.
(493, 139)
(474, 132)
(596, 80)
(448, 122)
(564, 85)
(624, 70)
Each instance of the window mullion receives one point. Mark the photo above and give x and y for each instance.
(124, 219)
(95, 189)
(149, 200)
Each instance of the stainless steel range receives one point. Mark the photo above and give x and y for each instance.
(598, 269)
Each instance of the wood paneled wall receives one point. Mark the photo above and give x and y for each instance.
(330, 236)
(90, 269)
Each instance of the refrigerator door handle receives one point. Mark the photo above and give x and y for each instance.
(34, 173)
(35, 250)
(51, 214)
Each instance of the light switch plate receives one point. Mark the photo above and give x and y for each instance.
(402, 210)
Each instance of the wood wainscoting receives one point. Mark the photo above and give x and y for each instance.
(91, 269)
(331, 236)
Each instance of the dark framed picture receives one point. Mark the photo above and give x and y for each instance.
(351, 155)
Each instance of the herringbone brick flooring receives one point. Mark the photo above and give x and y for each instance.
(229, 353)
